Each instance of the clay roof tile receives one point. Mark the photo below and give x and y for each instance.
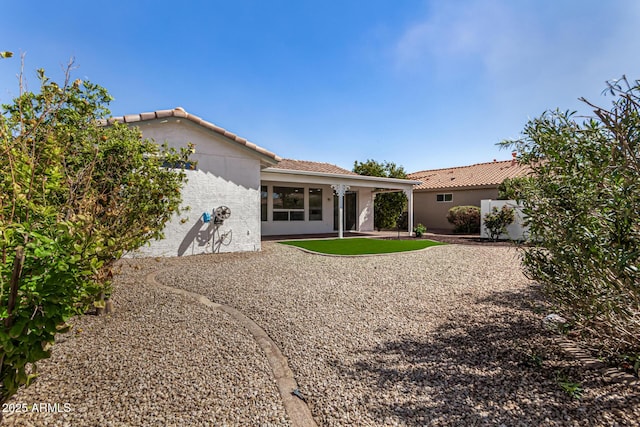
(477, 175)
(180, 112)
(308, 166)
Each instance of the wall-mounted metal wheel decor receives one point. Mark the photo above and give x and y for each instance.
(221, 213)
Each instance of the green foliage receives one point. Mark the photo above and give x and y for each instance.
(402, 222)
(387, 206)
(497, 221)
(74, 196)
(58, 271)
(466, 219)
(571, 388)
(6, 54)
(419, 229)
(533, 360)
(513, 188)
(583, 208)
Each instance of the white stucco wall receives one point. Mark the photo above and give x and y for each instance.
(365, 209)
(273, 228)
(516, 231)
(226, 175)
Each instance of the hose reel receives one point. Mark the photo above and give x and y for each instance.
(220, 214)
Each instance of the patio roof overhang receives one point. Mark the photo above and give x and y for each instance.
(308, 177)
(343, 182)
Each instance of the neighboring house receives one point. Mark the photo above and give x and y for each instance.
(442, 189)
(264, 194)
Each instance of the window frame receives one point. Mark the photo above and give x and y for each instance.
(264, 203)
(292, 213)
(444, 197)
(317, 195)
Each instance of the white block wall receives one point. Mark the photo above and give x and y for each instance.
(226, 175)
(516, 231)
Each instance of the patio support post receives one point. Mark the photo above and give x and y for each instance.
(340, 190)
(409, 194)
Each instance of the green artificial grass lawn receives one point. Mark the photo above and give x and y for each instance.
(361, 246)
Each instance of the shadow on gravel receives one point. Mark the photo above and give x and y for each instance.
(495, 367)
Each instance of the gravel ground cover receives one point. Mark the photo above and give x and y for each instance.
(160, 359)
(446, 336)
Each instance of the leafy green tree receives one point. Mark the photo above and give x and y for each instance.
(387, 206)
(75, 195)
(583, 207)
(513, 188)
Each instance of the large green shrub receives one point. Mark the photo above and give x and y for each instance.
(465, 219)
(387, 207)
(74, 195)
(583, 208)
(512, 188)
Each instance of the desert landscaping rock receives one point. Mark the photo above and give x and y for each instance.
(447, 336)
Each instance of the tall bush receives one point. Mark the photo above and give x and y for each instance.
(74, 196)
(387, 207)
(512, 188)
(465, 219)
(583, 208)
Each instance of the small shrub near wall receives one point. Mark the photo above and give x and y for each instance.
(497, 221)
(466, 219)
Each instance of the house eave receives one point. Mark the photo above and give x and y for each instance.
(361, 180)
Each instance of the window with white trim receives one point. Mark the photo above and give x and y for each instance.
(445, 197)
(288, 204)
(315, 204)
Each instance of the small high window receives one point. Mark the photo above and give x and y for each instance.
(180, 164)
(446, 197)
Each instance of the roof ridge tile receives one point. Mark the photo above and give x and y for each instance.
(180, 112)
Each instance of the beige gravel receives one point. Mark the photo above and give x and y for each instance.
(446, 336)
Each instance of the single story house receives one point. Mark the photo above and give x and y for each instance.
(239, 191)
(442, 189)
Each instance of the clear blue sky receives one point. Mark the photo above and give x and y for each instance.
(425, 84)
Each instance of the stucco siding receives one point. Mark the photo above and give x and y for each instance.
(365, 208)
(273, 228)
(433, 214)
(226, 175)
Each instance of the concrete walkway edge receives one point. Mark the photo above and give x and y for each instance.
(296, 408)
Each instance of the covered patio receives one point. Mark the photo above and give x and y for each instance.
(299, 197)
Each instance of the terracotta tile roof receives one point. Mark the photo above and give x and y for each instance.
(179, 112)
(478, 175)
(307, 166)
